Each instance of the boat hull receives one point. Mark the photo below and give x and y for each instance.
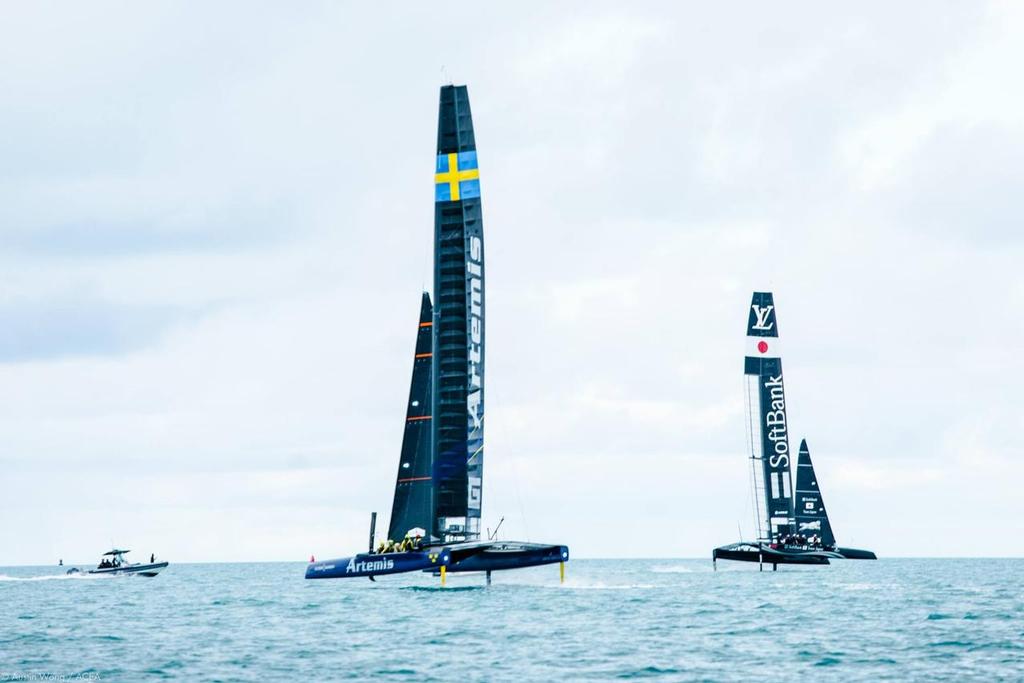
(751, 552)
(856, 554)
(151, 569)
(501, 555)
(372, 564)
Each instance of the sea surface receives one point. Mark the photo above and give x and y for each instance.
(936, 620)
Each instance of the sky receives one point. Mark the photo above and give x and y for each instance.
(216, 222)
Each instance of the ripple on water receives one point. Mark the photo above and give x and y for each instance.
(649, 672)
(828, 661)
(999, 645)
(891, 619)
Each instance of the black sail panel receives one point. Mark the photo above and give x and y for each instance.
(811, 517)
(766, 415)
(458, 380)
(413, 505)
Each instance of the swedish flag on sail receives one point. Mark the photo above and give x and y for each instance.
(456, 177)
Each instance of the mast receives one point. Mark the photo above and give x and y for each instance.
(811, 517)
(766, 417)
(413, 504)
(458, 377)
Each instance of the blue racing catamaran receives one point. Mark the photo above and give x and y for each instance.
(795, 529)
(438, 498)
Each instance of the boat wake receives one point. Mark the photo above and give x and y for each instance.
(445, 589)
(671, 569)
(600, 586)
(51, 577)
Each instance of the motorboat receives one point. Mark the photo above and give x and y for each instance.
(114, 562)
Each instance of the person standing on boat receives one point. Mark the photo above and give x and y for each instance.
(152, 558)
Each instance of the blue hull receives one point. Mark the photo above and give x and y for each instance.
(501, 555)
(371, 564)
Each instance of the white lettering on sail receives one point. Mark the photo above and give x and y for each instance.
(474, 269)
(775, 422)
(810, 526)
(762, 313)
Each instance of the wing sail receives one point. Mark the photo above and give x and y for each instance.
(458, 380)
(766, 418)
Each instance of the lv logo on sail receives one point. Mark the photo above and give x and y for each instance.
(457, 177)
(762, 313)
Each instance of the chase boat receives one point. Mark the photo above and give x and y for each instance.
(117, 564)
(439, 488)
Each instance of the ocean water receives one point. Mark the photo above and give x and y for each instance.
(900, 619)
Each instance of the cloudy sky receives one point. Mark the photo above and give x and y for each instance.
(215, 224)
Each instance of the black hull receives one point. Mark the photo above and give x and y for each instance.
(856, 554)
(501, 555)
(747, 552)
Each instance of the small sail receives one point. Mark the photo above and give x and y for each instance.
(458, 380)
(766, 418)
(413, 503)
(811, 518)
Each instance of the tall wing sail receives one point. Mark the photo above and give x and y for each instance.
(458, 323)
(413, 504)
(766, 416)
(811, 518)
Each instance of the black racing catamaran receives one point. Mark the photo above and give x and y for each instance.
(795, 529)
(439, 490)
